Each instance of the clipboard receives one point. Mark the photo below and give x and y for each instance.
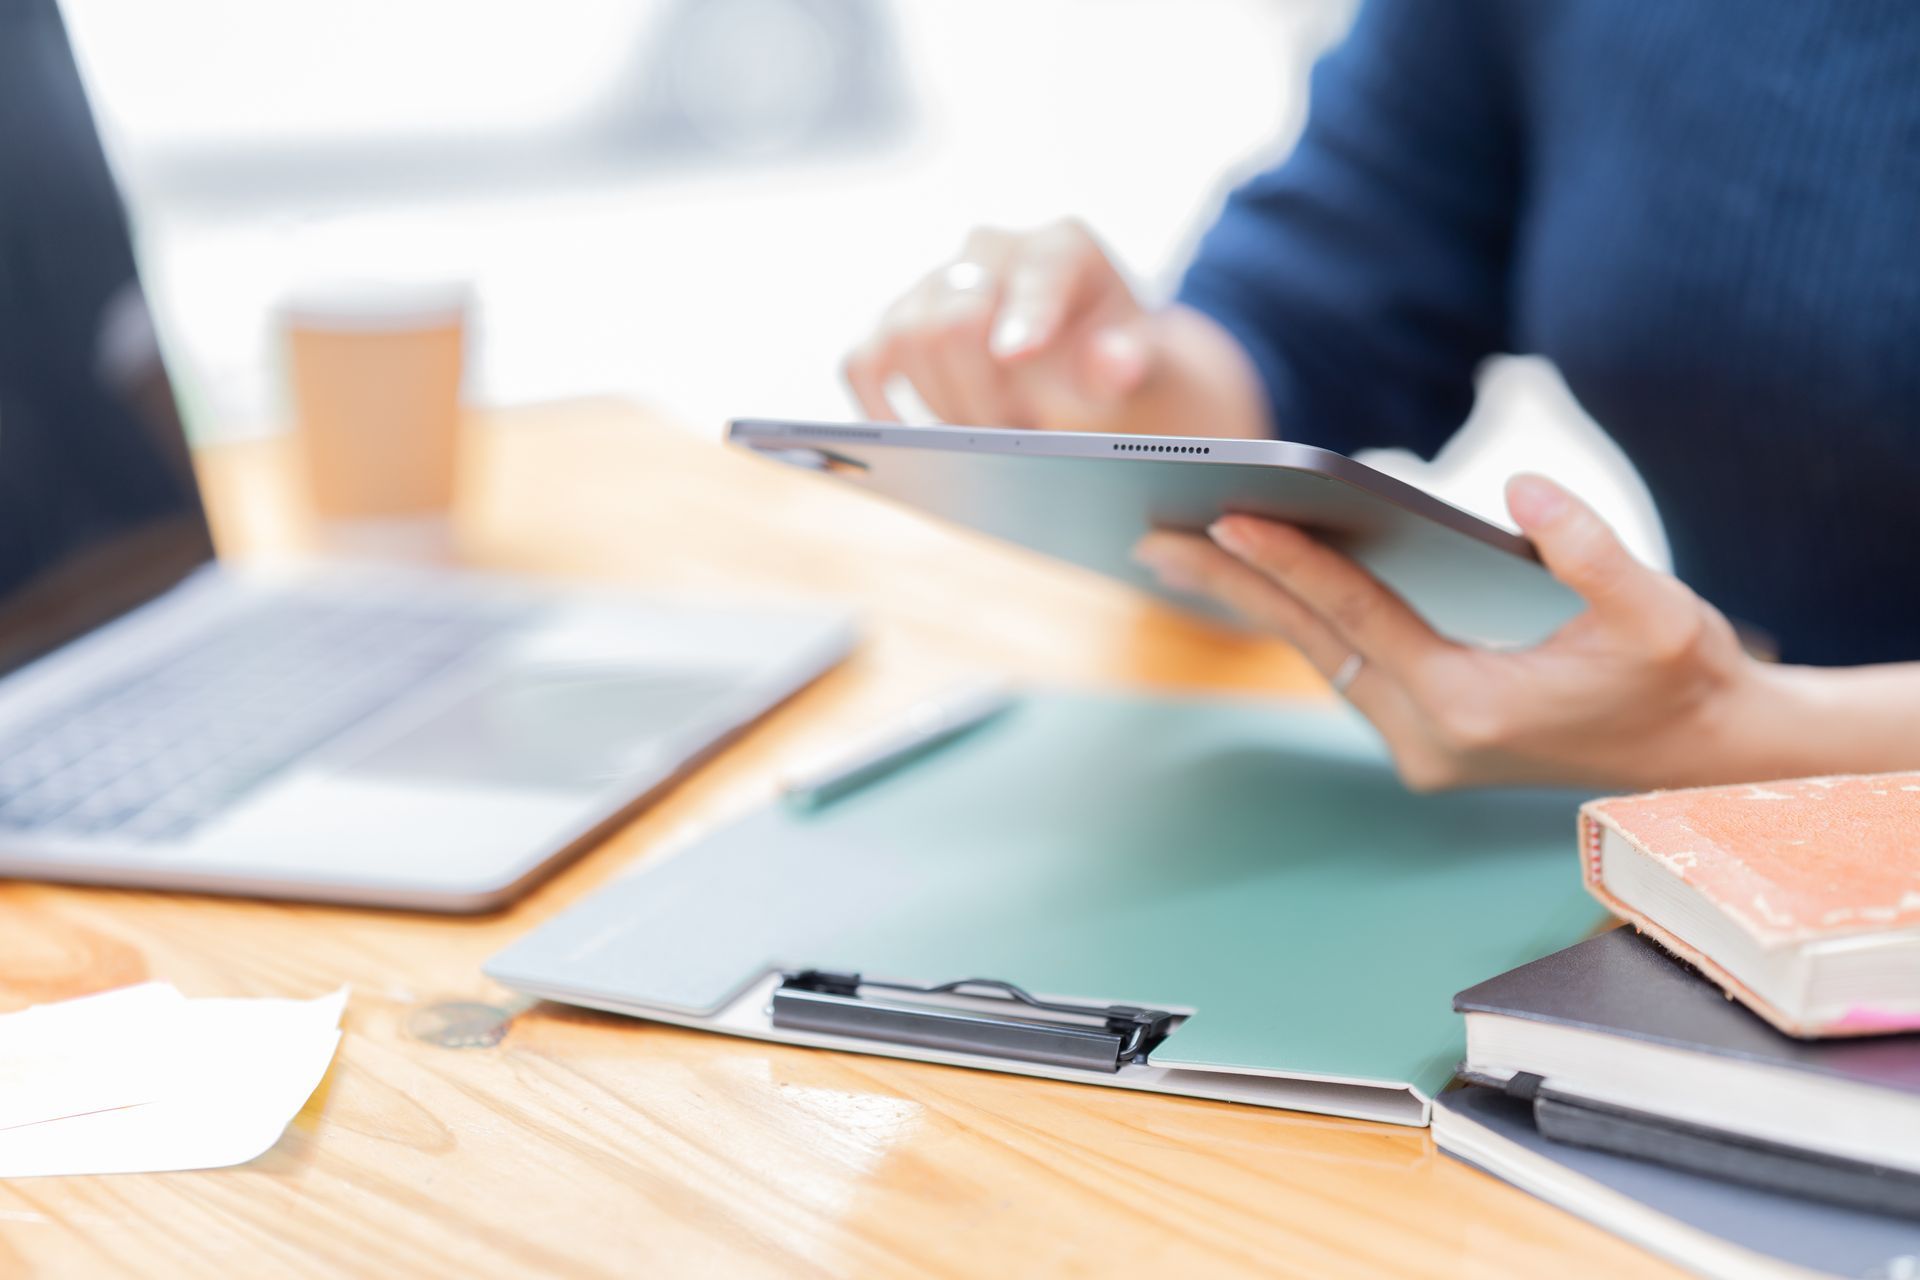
(1222, 899)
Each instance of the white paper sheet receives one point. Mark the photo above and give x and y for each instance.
(64, 1059)
(146, 1080)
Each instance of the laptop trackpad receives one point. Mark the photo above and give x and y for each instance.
(571, 727)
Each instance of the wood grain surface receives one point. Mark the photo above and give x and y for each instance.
(552, 1141)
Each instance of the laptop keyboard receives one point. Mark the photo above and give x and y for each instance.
(156, 754)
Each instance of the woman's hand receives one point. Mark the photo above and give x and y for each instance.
(1648, 688)
(1040, 329)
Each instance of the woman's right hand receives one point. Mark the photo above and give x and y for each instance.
(1040, 329)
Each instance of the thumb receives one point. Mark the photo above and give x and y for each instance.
(1581, 550)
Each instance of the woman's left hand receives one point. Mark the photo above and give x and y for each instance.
(1647, 688)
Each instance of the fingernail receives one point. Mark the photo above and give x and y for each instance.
(1176, 578)
(1011, 334)
(1534, 499)
(1227, 538)
(1163, 567)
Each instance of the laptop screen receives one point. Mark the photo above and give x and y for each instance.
(98, 506)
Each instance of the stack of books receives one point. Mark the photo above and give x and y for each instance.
(1734, 1082)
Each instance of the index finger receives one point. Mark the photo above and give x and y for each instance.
(1042, 285)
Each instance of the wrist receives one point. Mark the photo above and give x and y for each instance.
(1795, 721)
(1201, 383)
(1767, 725)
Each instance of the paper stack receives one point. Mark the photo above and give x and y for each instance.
(143, 1079)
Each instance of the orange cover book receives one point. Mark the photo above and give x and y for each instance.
(1800, 898)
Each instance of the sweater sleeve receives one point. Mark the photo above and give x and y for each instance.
(1366, 275)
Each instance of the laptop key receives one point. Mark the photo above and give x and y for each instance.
(162, 751)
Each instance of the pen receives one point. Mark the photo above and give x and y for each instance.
(930, 725)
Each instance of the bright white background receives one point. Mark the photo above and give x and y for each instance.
(700, 203)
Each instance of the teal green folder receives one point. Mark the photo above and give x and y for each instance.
(1252, 866)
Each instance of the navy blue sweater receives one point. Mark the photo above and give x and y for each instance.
(1706, 213)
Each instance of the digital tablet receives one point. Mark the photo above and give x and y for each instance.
(1089, 498)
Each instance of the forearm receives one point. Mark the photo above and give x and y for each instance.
(1807, 721)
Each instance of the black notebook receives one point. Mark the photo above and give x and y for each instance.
(1727, 1156)
(1635, 1037)
(1714, 1227)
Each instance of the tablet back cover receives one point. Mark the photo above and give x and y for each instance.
(1087, 499)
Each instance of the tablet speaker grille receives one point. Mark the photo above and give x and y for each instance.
(844, 433)
(1119, 447)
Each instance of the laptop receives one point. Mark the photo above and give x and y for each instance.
(417, 739)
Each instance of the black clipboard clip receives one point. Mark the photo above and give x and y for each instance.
(1086, 1036)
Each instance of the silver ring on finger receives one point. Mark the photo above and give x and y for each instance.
(1345, 674)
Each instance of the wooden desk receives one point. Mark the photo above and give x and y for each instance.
(587, 1145)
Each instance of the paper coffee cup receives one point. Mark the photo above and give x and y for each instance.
(375, 371)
